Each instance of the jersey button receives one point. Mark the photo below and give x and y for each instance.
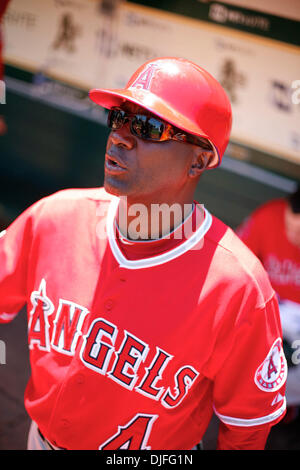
(109, 304)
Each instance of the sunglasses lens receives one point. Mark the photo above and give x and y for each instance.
(116, 118)
(142, 126)
(147, 128)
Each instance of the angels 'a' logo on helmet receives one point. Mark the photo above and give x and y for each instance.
(144, 79)
(272, 372)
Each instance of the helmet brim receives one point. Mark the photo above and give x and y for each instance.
(109, 98)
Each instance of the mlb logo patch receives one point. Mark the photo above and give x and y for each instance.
(272, 372)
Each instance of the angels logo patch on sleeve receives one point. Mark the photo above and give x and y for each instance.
(272, 372)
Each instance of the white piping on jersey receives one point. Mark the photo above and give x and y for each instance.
(2, 233)
(155, 260)
(254, 421)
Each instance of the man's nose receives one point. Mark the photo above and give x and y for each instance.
(122, 137)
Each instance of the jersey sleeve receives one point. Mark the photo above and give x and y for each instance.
(249, 387)
(15, 243)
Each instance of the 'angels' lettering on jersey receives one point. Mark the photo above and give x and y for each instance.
(98, 351)
(38, 325)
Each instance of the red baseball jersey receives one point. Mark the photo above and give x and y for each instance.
(135, 345)
(264, 233)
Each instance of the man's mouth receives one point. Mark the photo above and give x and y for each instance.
(114, 164)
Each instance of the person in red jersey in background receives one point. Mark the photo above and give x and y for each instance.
(272, 232)
(3, 6)
(141, 325)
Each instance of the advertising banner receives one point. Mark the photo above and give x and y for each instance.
(271, 18)
(261, 78)
(70, 40)
(92, 43)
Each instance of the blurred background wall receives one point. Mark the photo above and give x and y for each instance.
(56, 50)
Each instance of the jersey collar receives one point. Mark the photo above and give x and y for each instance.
(162, 258)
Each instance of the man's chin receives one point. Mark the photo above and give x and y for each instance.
(114, 188)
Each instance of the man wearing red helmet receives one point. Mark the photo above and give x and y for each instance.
(146, 314)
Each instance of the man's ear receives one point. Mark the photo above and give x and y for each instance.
(201, 161)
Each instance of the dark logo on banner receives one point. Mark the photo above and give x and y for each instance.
(281, 95)
(67, 34)
(231, 79)
(222, 14)
(108, 7)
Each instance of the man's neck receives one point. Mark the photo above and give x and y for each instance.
(151, 221)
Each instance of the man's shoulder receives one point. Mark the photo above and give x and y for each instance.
(236, 262)
(79, 194)
(230, 246)
(70, 204)
(72, 199)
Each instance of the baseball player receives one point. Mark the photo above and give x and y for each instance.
(139, 330)
(278, 248)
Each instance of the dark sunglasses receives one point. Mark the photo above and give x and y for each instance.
(151, 128)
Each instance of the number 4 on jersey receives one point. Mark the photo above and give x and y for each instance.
(133, 435)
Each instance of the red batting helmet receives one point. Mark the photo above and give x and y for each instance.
(181, 93)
